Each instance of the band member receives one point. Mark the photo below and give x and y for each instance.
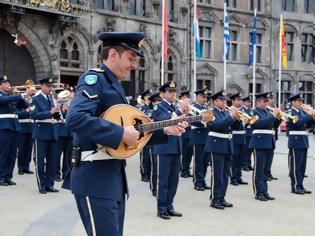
(24, 138)
(239, 142)
(45, 137)
(298, 143)
(219, 148)
(263, 143)
(198, 138)
(9, 127)
(270, 177)
(145, 154)
(98, 181)
(247, 160)
(187, 147)
(168, 155)
(155, 99)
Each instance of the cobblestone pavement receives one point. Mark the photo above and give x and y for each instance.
(25, 212)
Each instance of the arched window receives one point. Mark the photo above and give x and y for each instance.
(70, 53)
(169, 68)
(308, 46)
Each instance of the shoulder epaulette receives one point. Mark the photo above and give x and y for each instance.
(97, 70)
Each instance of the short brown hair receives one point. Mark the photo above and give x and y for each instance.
(105, 51)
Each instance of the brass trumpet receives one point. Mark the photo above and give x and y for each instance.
(243, 115)
(195, 110)
(309, 108)
(285, 116)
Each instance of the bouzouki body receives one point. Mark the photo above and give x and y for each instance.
(126, 115)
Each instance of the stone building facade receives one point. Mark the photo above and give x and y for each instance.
(64, 45)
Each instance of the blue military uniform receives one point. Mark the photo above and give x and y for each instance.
(239, 148)
(187, 147)
(45, 137)
(247, 160)
(198, 138)
(298, 144)
(154, 98)
(9, 127)
(263, 143)
(168, 157)
(24, 138)
(219, 147)
(146, 152)
(100, 186)
(64, 147)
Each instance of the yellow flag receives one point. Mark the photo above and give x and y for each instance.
(283, 47)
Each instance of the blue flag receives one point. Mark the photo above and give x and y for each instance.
(251, 53)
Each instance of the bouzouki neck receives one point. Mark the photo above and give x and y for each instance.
(166, 123)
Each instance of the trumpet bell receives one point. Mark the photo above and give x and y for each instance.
(63, 94)
(294, 119)
(253, 119)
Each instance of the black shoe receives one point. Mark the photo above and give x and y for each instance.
(190, 175)
(205, 186)
(145, 179)
(226, 204)
(52, 190)
(307, 191)
(42, 191)
(250, 168)
(246, 169)
(174, 213)
(242, 182)
(154, 193)
(234, 182)
(184, 175)
(164, 215)
(269, 178)
(3, 183)
(198, 188)
(58, 179)
(28, 172)
(10, 182)
(268, 196)
(261, 198)
(218, 206)
(273, 178)
(298, 191)
(21, 172)
(305, 176)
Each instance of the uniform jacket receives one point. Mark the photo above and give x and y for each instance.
(199, 132)
(222, 124)
(25, 118)
(248, 127)
(7, 107)
(298, 141)
(266, 121)
(163, 111)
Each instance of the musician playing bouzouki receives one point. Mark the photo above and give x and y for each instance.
(97, 180)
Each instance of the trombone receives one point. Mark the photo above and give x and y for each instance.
(285, 116)
(243, 115)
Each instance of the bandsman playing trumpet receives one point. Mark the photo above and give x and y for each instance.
(198, 138)
(298, 143)
(45, 137)
(187, 147)
(239, 142)
(263, 143)
(9, 127)
(219, 148)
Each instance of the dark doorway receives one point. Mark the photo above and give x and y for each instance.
(15, 62)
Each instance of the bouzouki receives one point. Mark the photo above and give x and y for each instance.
(126, 115)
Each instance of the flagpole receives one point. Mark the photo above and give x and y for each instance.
(195, 53)
(163, 26)
(225, 52)
(254, 68)
(280, 48)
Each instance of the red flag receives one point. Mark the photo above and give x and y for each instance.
(165, 30)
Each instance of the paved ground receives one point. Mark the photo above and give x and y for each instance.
(25, 212)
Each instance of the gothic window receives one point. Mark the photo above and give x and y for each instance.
(306, 89)
(289, 37)
(205, 41)
(70, 53)
(169, 68)
(255, 4)
(111, 5)
(142, 8)
(309, 6)
(171, 12)
(288, 5)
(286, 88)
(231, 3)
(308, 47)
(99, 4)
(233, 45)
(133, 7)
